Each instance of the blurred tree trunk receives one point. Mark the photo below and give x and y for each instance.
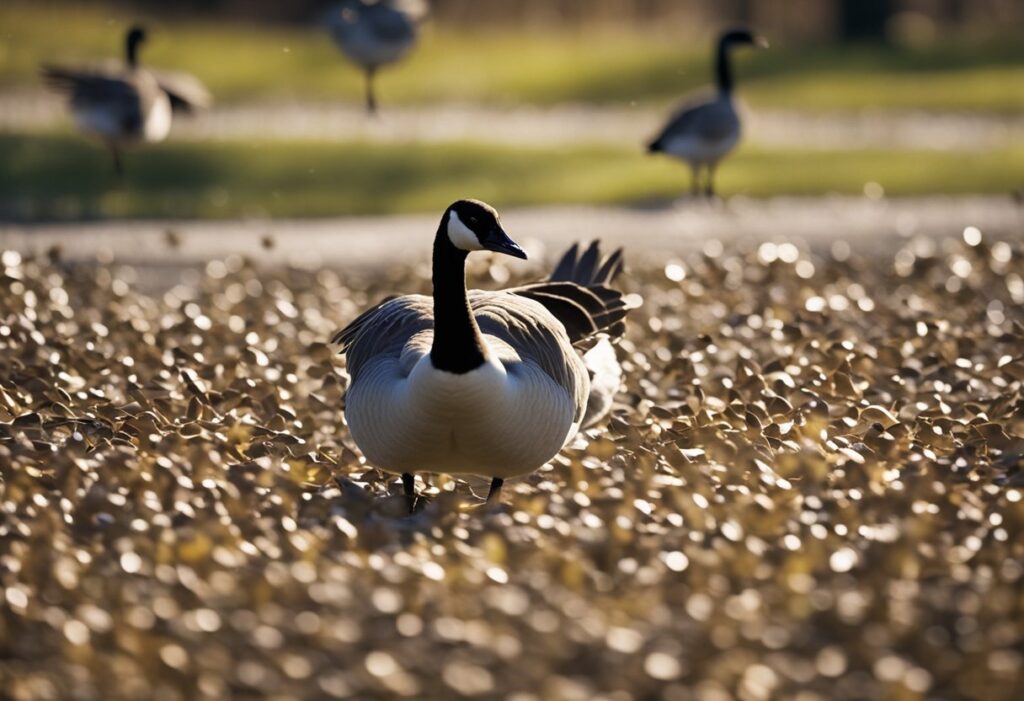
(864, 20)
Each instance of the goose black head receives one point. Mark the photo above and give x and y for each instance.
(136, 35)
(472, 225)
(737, 37)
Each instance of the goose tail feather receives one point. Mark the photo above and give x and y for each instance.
(587, 269)
(579, 293)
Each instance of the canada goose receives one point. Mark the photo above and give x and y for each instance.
(125, 104)
(375, 33)
(475, 382)
(703, 131)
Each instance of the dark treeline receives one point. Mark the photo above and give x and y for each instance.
(854, 20)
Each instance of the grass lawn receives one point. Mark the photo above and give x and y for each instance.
(242, 61)
(64, 177)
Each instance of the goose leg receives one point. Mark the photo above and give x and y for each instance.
(118, 164)
(694, 180)
(495, 491)
(371, 97)
(409, 487)
(709, 187)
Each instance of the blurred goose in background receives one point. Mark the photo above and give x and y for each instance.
(484, 383)
(375, 33)
(703, 131)
(124, 104)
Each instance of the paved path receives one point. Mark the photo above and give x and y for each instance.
(654, 234)
(566, 124)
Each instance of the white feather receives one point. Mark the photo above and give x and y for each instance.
(158, 121)
(503, 419)
(461, 235)
(605, 380)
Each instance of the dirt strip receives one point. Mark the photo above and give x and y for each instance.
(656, 233)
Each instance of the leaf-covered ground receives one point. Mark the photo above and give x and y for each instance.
(811, 489)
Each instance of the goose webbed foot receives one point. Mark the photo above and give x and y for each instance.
(491, 504)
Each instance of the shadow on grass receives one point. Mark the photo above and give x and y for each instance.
(62, 177)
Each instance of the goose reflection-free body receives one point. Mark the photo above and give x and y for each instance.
(705, 130)
(125, 104)
(374, 34)
(477, 382)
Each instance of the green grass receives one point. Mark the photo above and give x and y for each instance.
(46, 177)
(245, 61)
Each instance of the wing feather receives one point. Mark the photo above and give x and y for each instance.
(535, 334)
(85, 86)
(185, 91)
(384, 330)
(704, 117)
(578, 294)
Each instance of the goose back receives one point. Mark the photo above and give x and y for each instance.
(701, 130)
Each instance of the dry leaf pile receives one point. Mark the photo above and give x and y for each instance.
(812, 489)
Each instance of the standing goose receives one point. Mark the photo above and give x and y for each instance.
(375, 33)
(475, 382)
(126, 104)
(703, 131)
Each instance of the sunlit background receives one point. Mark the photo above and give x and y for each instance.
(524, 103)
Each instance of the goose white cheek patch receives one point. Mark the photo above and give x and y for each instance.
(460, 235)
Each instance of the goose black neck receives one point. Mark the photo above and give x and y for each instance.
(723, 68)
(458, 347)
(132, 50)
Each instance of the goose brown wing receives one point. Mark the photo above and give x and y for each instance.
(705, 119)
(578, 293)
(535, 334)
(384, 330)
(86, 87)
(584, 311)
(186, 93)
